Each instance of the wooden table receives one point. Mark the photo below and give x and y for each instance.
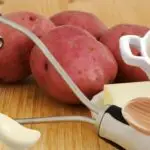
(27, 100)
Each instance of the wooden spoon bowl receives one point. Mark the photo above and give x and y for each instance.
(137, 113)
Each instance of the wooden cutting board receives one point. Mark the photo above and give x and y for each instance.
(27, 100)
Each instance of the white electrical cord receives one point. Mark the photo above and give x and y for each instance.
(56, 119)
(54, 62)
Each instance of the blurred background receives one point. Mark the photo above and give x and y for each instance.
(109, 11)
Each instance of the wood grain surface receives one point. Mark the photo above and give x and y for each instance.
(27, 100)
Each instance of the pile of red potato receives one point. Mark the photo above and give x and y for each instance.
(85, 47)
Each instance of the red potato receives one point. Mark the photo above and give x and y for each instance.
(110, 38)
(84, 20)
(14, 55)
(88, 62)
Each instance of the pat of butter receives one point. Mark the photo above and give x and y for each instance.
(120, 94)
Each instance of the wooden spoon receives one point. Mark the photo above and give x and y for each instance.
(137, 114)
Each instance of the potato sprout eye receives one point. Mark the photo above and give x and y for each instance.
(1, 42)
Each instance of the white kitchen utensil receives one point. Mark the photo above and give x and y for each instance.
(108, 120)
(143, 62)
(16, 136)
(143, 45)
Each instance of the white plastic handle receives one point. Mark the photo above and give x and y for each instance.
(130, 59)
(16, 136)
(126, 53)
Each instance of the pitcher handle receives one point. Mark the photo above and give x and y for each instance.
(127, 55)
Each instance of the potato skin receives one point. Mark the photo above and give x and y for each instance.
(86, 60)
(85, 20)
(110, 38)
(14, 55)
